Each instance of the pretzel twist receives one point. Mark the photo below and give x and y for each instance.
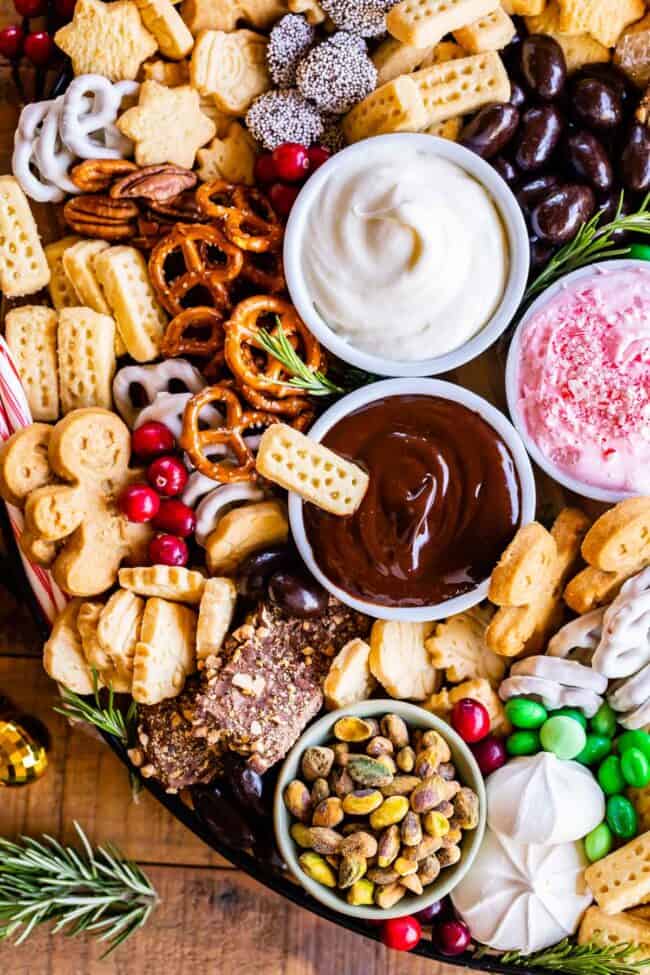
(207, 340)
(248, 219)
(192, 244)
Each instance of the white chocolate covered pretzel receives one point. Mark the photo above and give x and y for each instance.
(219, 501)
(24, 165)
(151, 380)
(580, 637)
(624, 647)
(568, 673)
(90, 107)
(550, 693)
(168, 408)
(632, 693)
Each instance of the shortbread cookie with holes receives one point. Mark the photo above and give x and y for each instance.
(30, 331)
(421, 22)
(23, 266)
(61, 289)
(86, 356)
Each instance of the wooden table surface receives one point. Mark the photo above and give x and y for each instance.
(212, 918)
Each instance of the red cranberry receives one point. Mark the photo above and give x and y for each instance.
(65, 8)
(490, 754)
(139, 502)
(283, 198)
(265, 171)
(11, 42)
(291, 161)
(470, 719)
(30, 8)
(401, 933)
(39, 48)
(175, 517)
(168, 550)
(152, 439)
(451, 937)
(168, 475)
(317, 156)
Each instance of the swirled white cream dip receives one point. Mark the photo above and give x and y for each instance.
(405, 255)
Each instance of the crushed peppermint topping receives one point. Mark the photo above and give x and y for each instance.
(364, 17)
(289, 42)
(584, 380)
(337, 73)
(284, 116)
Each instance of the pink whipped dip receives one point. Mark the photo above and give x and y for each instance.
(583, 383)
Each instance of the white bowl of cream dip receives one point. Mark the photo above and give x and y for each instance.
(406, 255)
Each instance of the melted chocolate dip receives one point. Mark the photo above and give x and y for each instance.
(442, 504)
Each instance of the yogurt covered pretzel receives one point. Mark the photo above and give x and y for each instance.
(168, 408)
(219, 501)
(90, 107)
(36, 183)
(152, 380)
(551, 694)
(579, 638)
(624, 646)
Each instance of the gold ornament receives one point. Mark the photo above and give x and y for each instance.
(22, 758)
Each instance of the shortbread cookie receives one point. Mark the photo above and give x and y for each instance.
(24, 463)
(458, 647)
(107, 39)
(461, 86)
(216, 611)
(122, 272)
(87, 619)
(290, 459)
(63, 656)
(350, 679)
(616, 547)
(422, 22)
(479, 689)
(578, 49)
(619, 880)
(603, 19)
(231, 158)
(23, 265)
(392, 59)
(443, 52)
(312, 10)
(528, 581)
(78, 262)
(227, 15)
(61, 289)
(450, 129)
(30, 332)
(86, 356)
(167, 125)
(394, 107)
(170, 582)
(612, 930)
(489, 33)
(523, 8)
(161, 18)
(243, 530)
(231, 68)
(164, 654)
(171, 74)
(399, 659)
(118, 631)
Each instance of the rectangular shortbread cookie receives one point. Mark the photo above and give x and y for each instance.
(215, 616)
(62, 292)
(396, 106)
(86, 352)
(489, 33)
(23, 265)
(461, 86)
(622, 879)
(422, 22)
(31, 336)
(122, 272)
(614, 929)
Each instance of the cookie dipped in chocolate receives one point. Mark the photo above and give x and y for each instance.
(442, 504)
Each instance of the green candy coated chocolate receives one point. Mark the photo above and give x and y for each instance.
(634, 739)
(524, 713)
(641, 252)
(599, 842)
(604, 721)
(569, 713)
(621, 817)
(563, 735)
(523, 743)
(610, 777)
(597, 747)
(635, 768)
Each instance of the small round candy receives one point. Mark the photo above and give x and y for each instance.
(401, 933)
(523, 743)
(599, 842)
(563, 735)
(524, 713)
(428, 914)
(635, 768)
(596, 748)
(610, 777)
(621, 817)
(634, 739)
(604, 720)
(490, 754)
(640, 252)
(569, 713)
(451, 937)
(470, 719)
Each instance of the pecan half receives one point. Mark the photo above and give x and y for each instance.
(182, 207)
(155, 183)
(100, 216)
(95, 175)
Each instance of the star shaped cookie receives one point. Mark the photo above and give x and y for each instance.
(106, 38)
(231, 158)
(167, 125)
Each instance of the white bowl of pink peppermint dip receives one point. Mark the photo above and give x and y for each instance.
(578, 380)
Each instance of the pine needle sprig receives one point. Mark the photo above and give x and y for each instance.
(593, 242)
(573, 959)
(96, 891)
(311, 381)
(106, 717)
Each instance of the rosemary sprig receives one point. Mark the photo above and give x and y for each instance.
(311, 381)
(572, 959)
(593, 242)
(97, 891)
(106, 717)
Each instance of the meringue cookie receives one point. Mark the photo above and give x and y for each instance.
(521, 896)
(527, 800)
